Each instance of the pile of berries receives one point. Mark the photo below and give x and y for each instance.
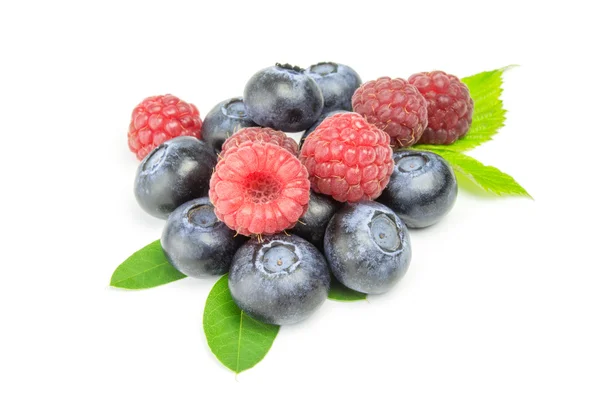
(240, 196)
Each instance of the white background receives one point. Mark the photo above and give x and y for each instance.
(502, 297)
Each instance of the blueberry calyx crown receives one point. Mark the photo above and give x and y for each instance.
(324, 68)
(385, 233)
(234, 108)
(155, 158)
(277, 257)
(411, 162)
(290, 67)
(202, 216)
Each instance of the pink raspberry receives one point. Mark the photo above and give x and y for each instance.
(248, 135)
(348, 158)
(158, 119)
(395, 106)
(259, 188)
(449, 106)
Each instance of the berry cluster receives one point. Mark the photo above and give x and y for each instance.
(240, 197)
(429, 108)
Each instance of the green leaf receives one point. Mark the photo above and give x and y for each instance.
(339, 292)
(237, 340)
(146, 268)
(488, 113)
(488, 117)
(488, 178)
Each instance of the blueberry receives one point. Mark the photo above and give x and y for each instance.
(313, 223)
(173, 173)
(223, 120)
(196, 243)
(318, 122)
(284, 98)
(282, 280)
(368, 247)
(337, 82)
(422, 188)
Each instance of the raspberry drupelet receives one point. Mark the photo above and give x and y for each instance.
(248, 135)
(158, 119)
(259, 189)
(394, 106)
(449, 106)
(348, 158)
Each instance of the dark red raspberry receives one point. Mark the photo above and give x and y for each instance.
(449, 106)
(348, 158)
(395, 106)
(259, 188)
(158, 119)
(248, 135)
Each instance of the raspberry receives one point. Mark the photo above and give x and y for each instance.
(259, 188)
(248, 135)
(158, 119)
(348, 158)
(449, 106)
(395, 106)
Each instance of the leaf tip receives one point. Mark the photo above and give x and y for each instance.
(116, 282)
(113, 282)
(508, 67)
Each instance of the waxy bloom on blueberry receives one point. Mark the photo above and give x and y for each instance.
(282, 279)
(337, 83)
(311, 226)
(284, 98)
(196, 243)
(422, 188)
(367, 247)
(223, 120)
(175, 172)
